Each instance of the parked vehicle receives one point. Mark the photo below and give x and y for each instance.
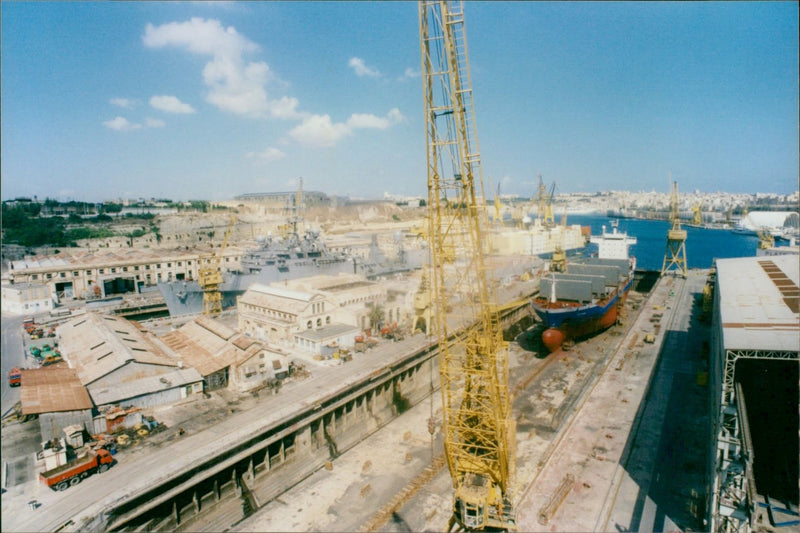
(14, 377)
(64, 476)
(52, 359)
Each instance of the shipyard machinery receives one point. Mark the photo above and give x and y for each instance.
(479, 432)
(209, 277)
(545, 201)
(675, 254)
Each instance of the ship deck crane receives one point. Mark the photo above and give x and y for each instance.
(479, 432)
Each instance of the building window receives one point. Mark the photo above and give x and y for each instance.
(75, 274)
(124, 269)
(169, 265)
(63, 274)
(179, 263)
(308, 325)
(319, 322)
(34, 276)
(88, 272)
(102, 271)
(136, 267)
(147, 267)
(49, 276)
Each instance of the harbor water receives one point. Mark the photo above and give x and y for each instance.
(703, 246)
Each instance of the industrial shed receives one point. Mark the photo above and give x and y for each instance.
(317, 340)
(122, 364)
(224, 357)
(755, 343)
(58, 397)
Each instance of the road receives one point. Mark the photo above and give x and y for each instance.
(13, 354)
(136, 473)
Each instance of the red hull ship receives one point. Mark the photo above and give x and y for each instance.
(587, 296)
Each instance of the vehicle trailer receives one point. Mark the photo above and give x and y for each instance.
(67, 475)
(14, 377)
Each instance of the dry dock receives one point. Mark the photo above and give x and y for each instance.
(598, 427)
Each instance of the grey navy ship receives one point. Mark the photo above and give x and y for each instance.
(290, 257)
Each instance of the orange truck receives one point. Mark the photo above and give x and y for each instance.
(64, 476)
(14, 377)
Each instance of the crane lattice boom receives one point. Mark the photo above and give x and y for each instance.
(478, 430)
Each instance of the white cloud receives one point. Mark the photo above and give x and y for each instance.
(285, 107)
(320, 130)
(234, 85)
(361, 120)
(270, 154)
(409, 74)
(154, 123)
(121, 124)
(127, 103)
(361, 69)
(171, 104)
(199, 36)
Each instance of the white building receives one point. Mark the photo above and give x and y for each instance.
(26, 298)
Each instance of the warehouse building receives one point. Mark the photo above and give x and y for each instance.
(58, 397)
(224, 357)
(99, 274)
(121, 364)
(275, 314)
(353, 295)
(755, 342)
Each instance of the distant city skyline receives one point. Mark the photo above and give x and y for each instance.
(205, 100)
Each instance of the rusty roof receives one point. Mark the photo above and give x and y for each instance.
(208, 345)
(50, 390)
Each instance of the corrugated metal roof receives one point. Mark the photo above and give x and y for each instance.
(96, 345)
(758, 306)
(327, 332)
(180, 377)
(51, 390)
(205, 344)
(283, 300)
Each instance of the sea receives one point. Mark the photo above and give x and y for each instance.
(703, 246)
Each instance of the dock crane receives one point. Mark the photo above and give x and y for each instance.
(545, 201)
(675, 254)
(479, 432)
(210, 276)
(498, 205)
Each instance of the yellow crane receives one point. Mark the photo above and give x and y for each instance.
(697, 218)
(498, 216)
(675, 254)
(210, 276)
(545, 201)
(479, 432)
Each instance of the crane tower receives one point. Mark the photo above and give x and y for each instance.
(479, 432)
(675, 254)
(210, 276)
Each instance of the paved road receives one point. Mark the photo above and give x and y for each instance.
(12, 355)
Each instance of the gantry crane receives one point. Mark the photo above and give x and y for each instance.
(479, 433)
(210, 276)
(675, 254)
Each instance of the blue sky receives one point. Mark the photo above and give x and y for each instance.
(104, 100)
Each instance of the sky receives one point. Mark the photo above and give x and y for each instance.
(205, 100)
